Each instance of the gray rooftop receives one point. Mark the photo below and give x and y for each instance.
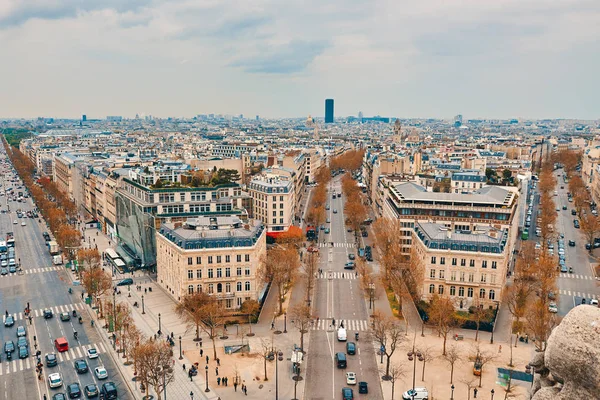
(481, 239)
(493, 195)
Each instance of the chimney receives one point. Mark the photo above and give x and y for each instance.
(449, 234)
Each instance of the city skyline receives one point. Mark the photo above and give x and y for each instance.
(504, 60)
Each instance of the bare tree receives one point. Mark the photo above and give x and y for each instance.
(280, 269)
(250, 307)
(442, 317)
(481, 358)
(266, 351)
(301, 316)
(310, 267)
(479, 313)
(452, 356)
(590, 225)
(471, 383)
(395, 372)
(427, 355)
(154, 365)
(388, 333)
(190, 309)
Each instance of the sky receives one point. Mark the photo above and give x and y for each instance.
(283, 58)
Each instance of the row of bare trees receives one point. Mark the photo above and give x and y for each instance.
(58, 210)
(354, 209)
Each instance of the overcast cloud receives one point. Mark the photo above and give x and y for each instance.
(282, 58)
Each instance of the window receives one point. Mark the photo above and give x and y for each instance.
(482, 293)
(210, 259)
(228, 287)
(239, 286)
(462, 276)
(472, 263)
(443, 260)
(219, 288)
(461, 291)
(432, 274)
(238, 258)
(453, 261)
(210, 273)
(281, 220)
(198, 260)
(433, 260)
(453, 275)
(492, 294)
(471, 277)
(452, 290)
(191, 289)
(190, 274)
(470, 292)
(494, 265)
(483, 278)
(218, 259)
(190, 260)
(247, 257)
(219, 272)
(247, 286)
(432, 288)
(484, 264)
(281, 199)
(227, 259)
(211, 288)
(441, 289)
(274, 213)
(247, 271)
(227, 272)
(199, 288)
(239, 271)
(442, 273)
(463, 262)
(281, 213)
(274, 220)
(492, 278)
(228, 303)
(198, 274)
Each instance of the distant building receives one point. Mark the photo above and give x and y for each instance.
(329, 111)
(84, 118)
(114, 118)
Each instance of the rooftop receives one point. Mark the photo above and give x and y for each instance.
(490, 195)
(485, 239)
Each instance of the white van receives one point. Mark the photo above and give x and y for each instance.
(341, 334)
(419, 393)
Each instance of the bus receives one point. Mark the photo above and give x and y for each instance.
(525, 234)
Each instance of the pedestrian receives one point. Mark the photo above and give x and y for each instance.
(146, 290)
(219, 381)
(272, 325)
(499, 349)
(218, 361)
(207, 359)
(217, 371)
(81, 295)
(235, 386)
(333, 321)
(475, 393)
(201, 352)
(184, 367)
(246, 390)
(6, 313)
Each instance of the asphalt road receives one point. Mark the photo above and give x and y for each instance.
(43, 285)
(338, 296)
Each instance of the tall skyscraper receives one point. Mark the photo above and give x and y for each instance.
(84, 118)
(328, 111)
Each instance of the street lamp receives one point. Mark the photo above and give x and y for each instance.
(206, 370)
(412, 356)
(492, 394)
(284, 322)
(143, 309)
(180, 355)
(452, 395)
(279, 358)
(159, 324)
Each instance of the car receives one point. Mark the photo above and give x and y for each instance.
(570, 270)
(51, 360)
(59, 396)
(551, 295)
(12, 269)
(92, 353)
(335, 210)
(328, 220)
(21, 331)
(350, 378)
(552, 308)
(9, 321)
(15, 222)
(65, 316)
(349, 229)
(3, 271)
(588, 246)
(23, 223)
(55, 380)
(91, 390)
(351, 348)
(327, 207)
(593, 302)
(583, 301)
(125, 282)
(364, 234)
(418, 393)
(9, 346)
(327, 230)
(572, 243)
(109, 391)
(363, 387)
(48, 313)
(564, 207)
(563, 268)
(573, 212)
(22, 341)
(74, 390)
(538, 246)
(4, 263)
(23, 352)
(347, 394)
(80, 366)
(351, 256)
(557, 208)
(349, 265)
(100, 373)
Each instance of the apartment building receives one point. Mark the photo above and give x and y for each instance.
(469, 266)
(215, 255)
(411, 203)
(467, 181)
(274, 201)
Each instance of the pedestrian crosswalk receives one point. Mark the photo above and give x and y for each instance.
(350, 325)
(40, 312)
(74, 353)
(577, 276)
(28, 271)
(337, 275)
(328, 244)
(578, 294)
